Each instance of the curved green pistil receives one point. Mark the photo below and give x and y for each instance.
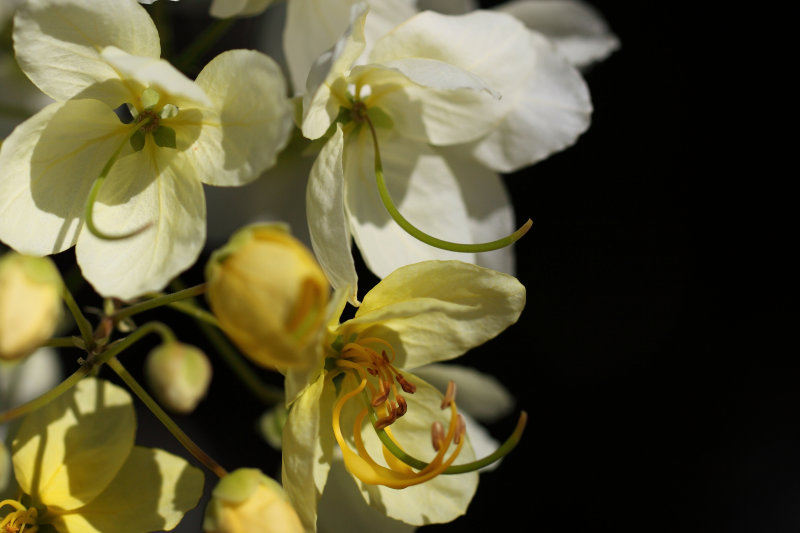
(504, 449)
(89, 209)
(359, 115)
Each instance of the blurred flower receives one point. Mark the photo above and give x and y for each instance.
(247, 501)
(422, 313)
(269, 295)
(30, 303)
(179, 375)
(75, 462)
(183, 134)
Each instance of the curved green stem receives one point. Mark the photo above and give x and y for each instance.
(418, 233)
(98, 183)
(504, 449)
(195, 312)
(80, 319)
(158, 301)
(165, 419)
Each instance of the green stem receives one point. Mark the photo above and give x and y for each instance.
(158, 301)
(504, 449)
(165, 419)
(80, 319)
(63, 342)
(195, 312)
(418, 233)
(98, 183)
(85, 369)
(202, 43)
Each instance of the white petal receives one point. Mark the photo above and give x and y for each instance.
(154, 186)
(423, 188)
(575, 28)
(253, 121)
(327, 221)
(49, 164)
(58, 45)
(547, 113)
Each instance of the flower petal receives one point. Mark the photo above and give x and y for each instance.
(308, 449)
(58, 45)
(440, 499)
(67, 452)
(49, 164)
(425, 191)
(253, 122)
(327, 219)
(155, 187)
(546, 114)
(151, 492)
(437, 310)
(575, 28)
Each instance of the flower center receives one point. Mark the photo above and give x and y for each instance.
(20, 520)
(379, 381)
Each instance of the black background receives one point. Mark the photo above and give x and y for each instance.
(649, 356)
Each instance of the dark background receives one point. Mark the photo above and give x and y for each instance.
(649, 356)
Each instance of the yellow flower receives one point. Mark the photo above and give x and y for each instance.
(419, 314)
(76, 174)
(246, 501)
(30, 303)
(78, 468)
(269, 295)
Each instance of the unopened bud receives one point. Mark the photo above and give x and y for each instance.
(179, 375)
(269, 295)
(245, 501)
(30, 303)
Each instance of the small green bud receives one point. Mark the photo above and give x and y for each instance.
(179, 375)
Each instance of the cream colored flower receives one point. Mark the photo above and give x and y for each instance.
(93, 56)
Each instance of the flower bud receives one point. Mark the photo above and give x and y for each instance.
(269, 295)
(179, 375)
(30, 303)
(246, 500)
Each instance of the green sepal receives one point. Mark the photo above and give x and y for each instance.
(150, 98)
(137, 140)
(165, 137)
(379, 118)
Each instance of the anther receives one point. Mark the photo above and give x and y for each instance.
(372, 371)
(378, 400)
(437, 435)
(449, 395)
(385, 421)
(461, 429)
(407, 386)
(402, 406)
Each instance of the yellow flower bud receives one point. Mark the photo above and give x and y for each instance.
(269, 295)
(30, 303)
(179, 375)
(246, 500)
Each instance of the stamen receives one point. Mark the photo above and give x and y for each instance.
(461, 430)
(407, 386)
(418, 233)
(378, 400)
(402, 406)
(95, 190)
(449, 395)
(437, 435)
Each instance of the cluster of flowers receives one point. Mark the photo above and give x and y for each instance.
(408, 115)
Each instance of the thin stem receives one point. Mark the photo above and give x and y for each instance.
(86, 368)
(98, 183)
(63, 342)
(195, 312)
(504, 449)
(418, 233)
(80, 319)
(158, 301)
(165, 419)
(203, 43)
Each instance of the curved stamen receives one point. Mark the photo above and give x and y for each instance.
(98, 182)
(418, 233)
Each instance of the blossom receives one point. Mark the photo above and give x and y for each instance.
(76, 463)
(75, 174)
(421, 313)
(432, 84)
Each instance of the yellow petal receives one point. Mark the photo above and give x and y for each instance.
(436, 310)
(152, 492)
(253, 118)
(153, 187)
(308, 449)
(49, 164)
(67, 452)
(58, 45)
